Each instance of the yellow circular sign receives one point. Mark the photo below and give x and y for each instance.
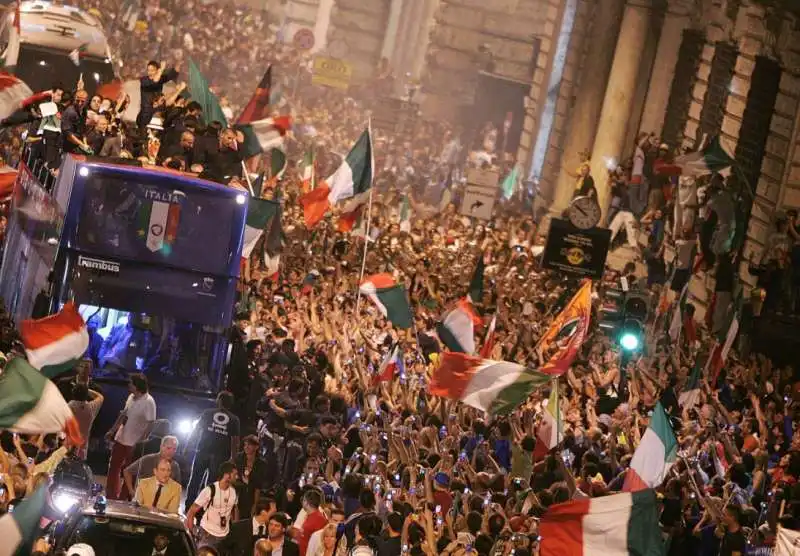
(575, 255)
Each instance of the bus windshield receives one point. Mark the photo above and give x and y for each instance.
(43, 68)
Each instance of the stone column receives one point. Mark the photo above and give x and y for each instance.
(393, 29)
(322, 25)
(588, 98)
(618, 101)
(676, 20)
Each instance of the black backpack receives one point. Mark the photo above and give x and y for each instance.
(202, 511)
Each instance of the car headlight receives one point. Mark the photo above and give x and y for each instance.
(64, 500)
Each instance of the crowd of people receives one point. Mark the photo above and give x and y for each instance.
(308, 451)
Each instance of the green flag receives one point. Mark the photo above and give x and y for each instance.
(510, 183)
(200, 91)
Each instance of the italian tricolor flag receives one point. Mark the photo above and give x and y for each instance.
(259, 213)
(390, 298)
(18, 529)
(348, 188)
(655, 454)
(54, 344)
(619, 525)
(710, 159)
(31, 404)
(550, 431)
(457, 327)
(497, 387)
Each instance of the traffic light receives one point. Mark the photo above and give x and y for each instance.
(631, 335)
(623, 316)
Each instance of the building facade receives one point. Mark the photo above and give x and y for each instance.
(601, 72)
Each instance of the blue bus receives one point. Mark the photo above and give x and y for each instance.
(151, 257)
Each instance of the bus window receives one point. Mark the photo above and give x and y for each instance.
(169, 352)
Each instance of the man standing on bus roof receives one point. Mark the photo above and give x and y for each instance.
(151, 85)
(72, 123)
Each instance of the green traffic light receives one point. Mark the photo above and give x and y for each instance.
(629, 341)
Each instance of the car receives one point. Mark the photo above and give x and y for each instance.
(118, 528)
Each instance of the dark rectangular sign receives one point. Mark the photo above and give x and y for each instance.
(574, 251)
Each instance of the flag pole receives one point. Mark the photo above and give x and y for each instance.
(369, 218)
(247, 179)
(366, 247)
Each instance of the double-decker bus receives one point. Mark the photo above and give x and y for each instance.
(150, 256)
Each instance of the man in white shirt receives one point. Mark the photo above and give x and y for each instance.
(133, 425)
(85, 405)
(219, 504)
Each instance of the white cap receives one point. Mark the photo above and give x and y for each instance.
(80, 549)
(156, 123)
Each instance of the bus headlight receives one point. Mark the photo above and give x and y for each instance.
(186, 426)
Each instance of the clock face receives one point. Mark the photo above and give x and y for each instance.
(584, 213)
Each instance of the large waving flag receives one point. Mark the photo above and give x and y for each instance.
(497, 387)
(568, 331)
(551, 429)
(55, 343)
(18, 529)
(349, 187)
(623, 524)
(390, 366)
(457, 328)
(655, 454)
(31, 404)
(390, 298)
